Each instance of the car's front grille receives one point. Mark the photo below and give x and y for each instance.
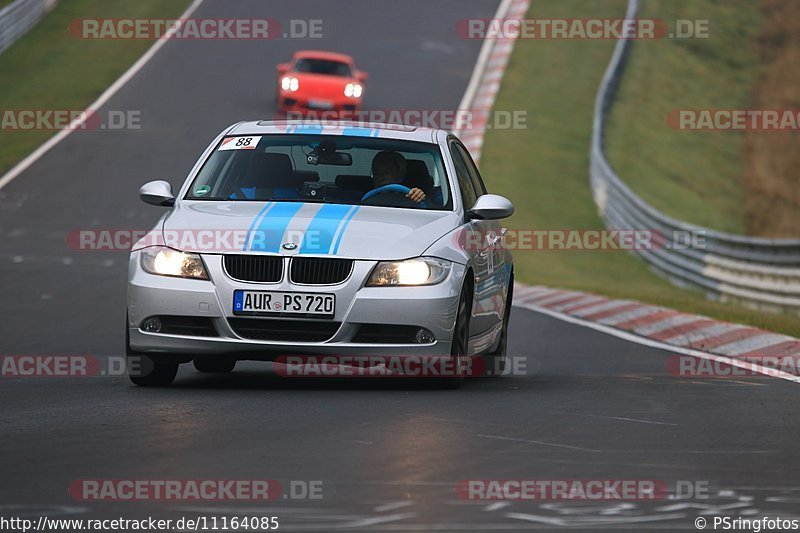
(320, 271)
(283, 330)
(258, 268)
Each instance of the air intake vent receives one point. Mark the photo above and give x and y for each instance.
(258, 268)
(283, 330)
(320, 271)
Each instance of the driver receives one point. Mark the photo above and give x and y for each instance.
(389, 168)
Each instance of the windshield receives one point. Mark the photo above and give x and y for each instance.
(325, 169)
(323, 66)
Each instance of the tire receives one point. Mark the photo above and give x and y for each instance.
(147, 371)
(497, 359)
(214, 365)
(459, 348)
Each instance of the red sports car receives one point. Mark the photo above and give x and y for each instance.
(320, 81)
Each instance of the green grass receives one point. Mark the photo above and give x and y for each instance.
(544, 170)
(695, 176)
(48, 68)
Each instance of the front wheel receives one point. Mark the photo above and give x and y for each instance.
(459, 352)
(497, 359)
(147, 371)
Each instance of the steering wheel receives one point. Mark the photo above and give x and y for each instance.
(394, 188)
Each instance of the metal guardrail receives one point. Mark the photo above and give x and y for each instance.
(20, 16)
(759, 272)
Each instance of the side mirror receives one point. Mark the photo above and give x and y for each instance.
(157, 193)
(491, 207)
(283, 68)
(361, 76)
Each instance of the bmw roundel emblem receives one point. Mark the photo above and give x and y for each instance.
(289, 246)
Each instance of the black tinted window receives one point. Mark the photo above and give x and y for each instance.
(323, 66)
(468, 194)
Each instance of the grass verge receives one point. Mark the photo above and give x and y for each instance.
(544, 170)
(48, 68)
(691, 175)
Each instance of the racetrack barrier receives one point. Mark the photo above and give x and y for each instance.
(20, 16)
(755, 271)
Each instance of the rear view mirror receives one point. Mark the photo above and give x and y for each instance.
(157, 193)
(491, 207)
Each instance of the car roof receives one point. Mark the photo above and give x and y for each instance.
(344, 127)
(319, 54)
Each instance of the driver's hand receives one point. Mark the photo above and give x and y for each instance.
(416, 195)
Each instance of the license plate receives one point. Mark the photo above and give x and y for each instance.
(320, 104)
(283, 303)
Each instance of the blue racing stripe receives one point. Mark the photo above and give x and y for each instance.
(358, 132)
(308, 130)
(343, 228)
(320, 233)
(253, 225)
(267, 237)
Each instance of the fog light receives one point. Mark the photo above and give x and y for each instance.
(152, 325)
(424, 336)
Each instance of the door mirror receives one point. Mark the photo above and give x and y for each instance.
(361, 76)
(157, 193)
(283, 68)
(491, 207)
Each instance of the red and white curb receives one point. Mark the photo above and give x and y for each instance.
(486, 78)
(699, 336)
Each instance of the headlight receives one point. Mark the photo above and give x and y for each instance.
(164, 261)
(290, 84)
(420, 271)
(353, 90)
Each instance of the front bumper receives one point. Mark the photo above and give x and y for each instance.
(300, 102)
(433, 308)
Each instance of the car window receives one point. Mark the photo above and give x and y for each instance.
(474, 175)
(323, 169)
(323, 66)
(468, 195)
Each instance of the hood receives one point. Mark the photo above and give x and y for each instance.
(358, 232)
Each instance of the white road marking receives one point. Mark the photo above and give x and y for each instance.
(540, 443)
(366, 522)
(23, 165)
(632, 420)
(662, 346)
(394, 505)
(496, 506)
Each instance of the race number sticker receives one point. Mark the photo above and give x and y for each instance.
(239, 143)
